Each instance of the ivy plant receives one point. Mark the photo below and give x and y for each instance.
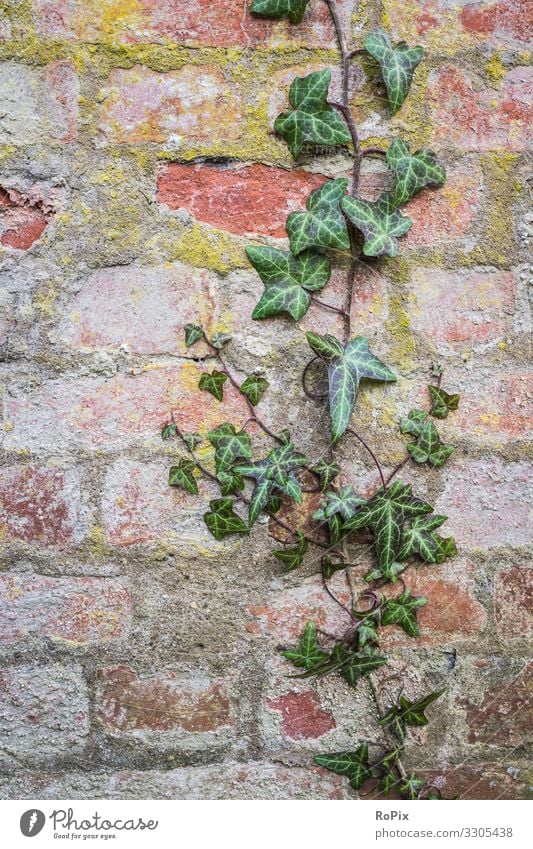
(395, 526)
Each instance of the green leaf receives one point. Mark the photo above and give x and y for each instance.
(346, 368)
(388, 781)
(308, 654)
(214, 383)
(441, 402)
(412, 172)
(413, 713)
(446, 548)
(193, 332)
(420, 539)
(229, 446)
(354, 765)
(367, 633)
(293, 557)
(254, 388)
(293, 9)
(360, 663)
(323, 225)
(313, 120)
(345, 503)
(397, 65)
(182, 475)
(410, 787)
(327, 472)
(330, 566)
(192, 440)
(288, 280)
(275, 472)
(230, 482)
(428, 446)
(402, 611)
(222, 520)
(169, 431)
(220, 340)
(380, 223)
(389, 571)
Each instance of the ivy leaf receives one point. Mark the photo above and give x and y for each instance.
(402, 611)
(288, 280)
(345, 503)
(428, 446)
(389, 571)
(445, 548)
(230, 482)
(441, 402)
(294, 9)
(380, 223)
(222, 520)
(367, 633)
(229, 446)
(308, 654)
(323, 225)
(275, 472)
(346, 368)
(254, 388)
(358, 664)
(169, 431)
(330, 566)
(412, 172)
(313, 120)
(388, 781)
(293, 557)
(220, 340)
(182, 475)
(354, 765)
(192, 440)
(410, 787)
(397, 65)
(327, 472)
(214, 383)
(413, 713)
(419, 539)
(193, 332)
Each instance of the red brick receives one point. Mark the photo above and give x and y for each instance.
(163, 702)
(475, 118)
(142, 309)
(466, 308)
(41, 103)
(140, 105)
(285, 616)
(476, 781)
(75, 611)
(502, 718)
(253, 199)
(508, 19)
(496, 407)
(301, 715)
(486, 502)
(23, 218)
(39, 505)
(513, 599)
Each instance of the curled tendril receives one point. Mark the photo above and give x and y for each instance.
(315, 396)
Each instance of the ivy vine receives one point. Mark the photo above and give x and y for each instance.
(398, 527)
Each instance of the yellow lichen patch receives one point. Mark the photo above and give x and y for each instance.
(45, 299)
(494, 68)
(443, 35)
(206, 248)
(95, 541)
(402, 346)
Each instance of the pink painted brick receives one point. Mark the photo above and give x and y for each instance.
(487, 503)
(140, 105)
(142, 309)
(41, 104)
(40, 504)
(73, 611)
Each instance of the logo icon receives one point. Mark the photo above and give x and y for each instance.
(32, 822)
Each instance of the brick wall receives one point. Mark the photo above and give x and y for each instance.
(137, 160)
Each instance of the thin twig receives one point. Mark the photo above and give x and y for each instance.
(368, 448)
(326, 306)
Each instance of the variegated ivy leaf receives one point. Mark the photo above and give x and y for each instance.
(446, 548)
(412, 172)
(397, 65)
(169, 431)
(354, 765)
(352, 665)
(441, 402)
(288, 280)
(222, 520)
(411, 786)
(293, 557)
(345, 502)
(380, 223)
(389, 571)
(220, 340)
(409, 713)
(327, 472)
(230, 482)
(274, 473)
(420, 539)
(367, 633)
(330, 566)
(193, 332)
(182, 475)
(385, 514)
(293, 9)
(254, 388)
(214, 383)
(229, 446)
(402, 611)
(323, 225)
(313, 120)
(347, 366)
(428, 446)
(308, 654)
(192, 440)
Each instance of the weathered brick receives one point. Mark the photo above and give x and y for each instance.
(44, 715)
(478, 781)
(456, 309)
(142, 309)
(40, 504)
(286, 614)
(487, 503)
(253, 199)
(302, 716)
(502, 22)
(501, 717)
(69, 611)
(41, 104)
(496, 407)
(473, 117)
(140, 105)
(513, 601)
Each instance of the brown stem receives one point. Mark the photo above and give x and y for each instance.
(373, 151)
(326, 306)
(382, 711)
(368, 448)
